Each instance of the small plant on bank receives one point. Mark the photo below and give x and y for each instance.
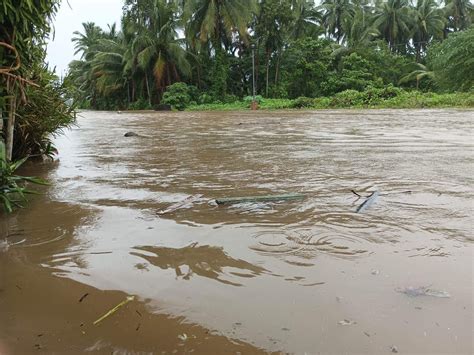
(248, 99)
(302, 102)
(13, 189)
(177, 95)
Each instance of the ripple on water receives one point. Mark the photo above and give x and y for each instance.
(308, 245)
(275, 242)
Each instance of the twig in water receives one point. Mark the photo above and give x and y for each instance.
(115, 309)
(355, 193)
(83, 297)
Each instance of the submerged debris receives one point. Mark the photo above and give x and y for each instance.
(268, 198)
(83, 297)
(423, 291)
(115, 309)
(183, 337)
(186, 203)
(131, 134)
(368, 202)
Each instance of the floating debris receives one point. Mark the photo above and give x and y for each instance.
(393, 349)
(183, 337)
(423, 291)
(115, 309)
(186, 203)
(375, 272)
(268, 198)
(368, 202)
(83, 297)
(346, 322)
(131, 134)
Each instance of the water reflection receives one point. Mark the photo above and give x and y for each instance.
(204, 261)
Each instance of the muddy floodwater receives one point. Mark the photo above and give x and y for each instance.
(136, 216)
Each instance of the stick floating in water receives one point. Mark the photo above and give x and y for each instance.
(115, 309)
(368, 202)
(268, 198)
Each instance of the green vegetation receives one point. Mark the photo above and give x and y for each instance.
(12, 187)
(32, 100)
(390, 97)
(198, 53)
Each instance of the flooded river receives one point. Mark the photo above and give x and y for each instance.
(137, 216)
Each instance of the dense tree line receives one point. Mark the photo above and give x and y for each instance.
(301, 49)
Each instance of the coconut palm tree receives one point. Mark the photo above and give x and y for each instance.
(306, 19)
(216, 21)
(158, 51)
(422, 72)
(460, 14)
(108, 67)
(428, 25)
(336, 13)
(394, 20)
(84, 43)
(218, 24)
(360, 30)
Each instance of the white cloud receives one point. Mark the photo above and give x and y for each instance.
(70, 19)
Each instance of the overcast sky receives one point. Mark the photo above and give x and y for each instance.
(70, 19)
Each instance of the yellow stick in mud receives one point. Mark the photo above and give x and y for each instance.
(115, 309)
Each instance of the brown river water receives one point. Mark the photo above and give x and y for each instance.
(137, 216)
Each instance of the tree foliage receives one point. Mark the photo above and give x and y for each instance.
(40, 105)
(297, 48)
(453, 62)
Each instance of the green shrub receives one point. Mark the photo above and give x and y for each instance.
(302, 102)
(45, 114)
(276, 104)
(177, 95)
(248, 99)
(228, 99)
(347, 98)
(12, 187)
(205, 99)
(322, 102)
(140, 104)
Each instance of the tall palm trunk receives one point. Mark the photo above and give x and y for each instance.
(268, 70)
(147, 84)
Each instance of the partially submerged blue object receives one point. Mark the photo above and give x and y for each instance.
(368, 202)
(423, 291)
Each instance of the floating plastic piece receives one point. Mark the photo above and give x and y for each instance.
(423, 291)
(268, 198)
(186, 203)
(346, 322)
(368, 202)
